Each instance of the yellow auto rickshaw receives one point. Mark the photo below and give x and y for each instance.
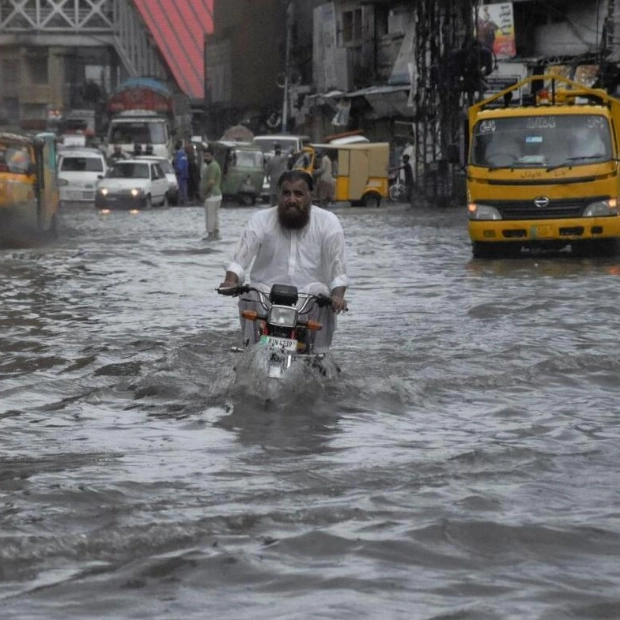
(29, 196)
(360, 170)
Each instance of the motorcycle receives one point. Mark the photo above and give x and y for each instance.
(283, 333)
(397, 191)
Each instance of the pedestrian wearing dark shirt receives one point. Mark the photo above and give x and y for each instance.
(181, 168)
(408, 173)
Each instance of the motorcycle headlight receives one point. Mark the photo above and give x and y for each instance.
(282, 316)
(477, 211)
(602, 208)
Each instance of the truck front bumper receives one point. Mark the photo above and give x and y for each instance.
(544, 231)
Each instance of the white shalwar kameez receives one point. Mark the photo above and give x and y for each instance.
(313, 259)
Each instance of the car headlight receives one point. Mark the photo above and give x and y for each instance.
(62, 182)
(282, 316)
(477, 211)
(602, 208)
(135, 192)
(104, 191)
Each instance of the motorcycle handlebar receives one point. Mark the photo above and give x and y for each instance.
(234, 291)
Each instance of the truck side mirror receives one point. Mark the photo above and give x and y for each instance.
(454, 154)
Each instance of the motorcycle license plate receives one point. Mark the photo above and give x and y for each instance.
(286, 345)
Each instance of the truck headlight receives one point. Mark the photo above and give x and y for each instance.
(602, 208)
(477, 211)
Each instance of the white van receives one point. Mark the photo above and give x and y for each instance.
(79, 170)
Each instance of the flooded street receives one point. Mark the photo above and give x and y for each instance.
(463, 465)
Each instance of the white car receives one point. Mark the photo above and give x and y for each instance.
(132, 184)
(79, 171)
(173, 182)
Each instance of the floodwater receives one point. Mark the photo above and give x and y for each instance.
(464, 464)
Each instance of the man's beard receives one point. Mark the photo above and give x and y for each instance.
(292, 219)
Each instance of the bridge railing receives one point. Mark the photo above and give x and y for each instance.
(39, 15)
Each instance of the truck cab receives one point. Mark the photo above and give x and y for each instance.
(135, 130)
(543, 173)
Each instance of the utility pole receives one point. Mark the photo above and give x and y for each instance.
(287, 63)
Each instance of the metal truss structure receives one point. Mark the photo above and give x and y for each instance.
(83, 23)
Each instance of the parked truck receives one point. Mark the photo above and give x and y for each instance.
(543, 169)
(144, 113)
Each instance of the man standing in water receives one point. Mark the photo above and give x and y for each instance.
(274, 167)
(294, 243)
(210, 179)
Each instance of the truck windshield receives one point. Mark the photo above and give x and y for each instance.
(548, 141)
(138, 132)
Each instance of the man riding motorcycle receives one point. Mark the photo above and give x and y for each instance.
(295, 243)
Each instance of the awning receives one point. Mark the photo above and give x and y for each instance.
(378, 90)
(179, 28)
(386, 100)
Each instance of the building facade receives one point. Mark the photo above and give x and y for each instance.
(400, 70)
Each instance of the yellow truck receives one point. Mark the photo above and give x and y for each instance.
(543, 172)
(29, 196)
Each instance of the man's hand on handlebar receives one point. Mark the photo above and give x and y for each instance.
(339, 304)
(231, 290)
(230, 286)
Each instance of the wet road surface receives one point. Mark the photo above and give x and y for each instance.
(463, 465)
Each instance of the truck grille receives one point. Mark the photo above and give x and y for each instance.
(560, 208)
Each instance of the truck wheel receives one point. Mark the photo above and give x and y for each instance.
(600, 247)
(371, 199)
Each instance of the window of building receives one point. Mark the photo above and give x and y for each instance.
(381, 20)
(10, 72)
(36, 65)
(352, 26)
(9, 110)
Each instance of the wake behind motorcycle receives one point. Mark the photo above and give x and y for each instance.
(283, 332)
